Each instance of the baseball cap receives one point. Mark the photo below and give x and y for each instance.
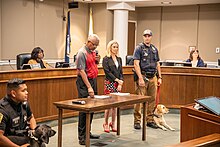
(147, 32)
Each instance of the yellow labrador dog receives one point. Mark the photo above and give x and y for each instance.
(159, 111)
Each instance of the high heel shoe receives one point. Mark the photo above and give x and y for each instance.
(111, 126)
(106, 129)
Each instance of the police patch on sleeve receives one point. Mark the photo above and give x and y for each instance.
(1, 117)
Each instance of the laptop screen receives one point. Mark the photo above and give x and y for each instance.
(61, 65)
(26, 66)
(211, 103)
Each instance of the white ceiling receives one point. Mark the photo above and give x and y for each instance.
(143, 3)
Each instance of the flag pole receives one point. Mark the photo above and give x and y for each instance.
(68, 39)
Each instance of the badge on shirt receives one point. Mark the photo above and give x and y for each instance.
(1, 117)
(153, 48)
(15, 121)
(145, 54)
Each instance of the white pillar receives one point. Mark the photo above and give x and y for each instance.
(120, 33)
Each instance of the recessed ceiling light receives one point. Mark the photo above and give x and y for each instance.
(166, 3)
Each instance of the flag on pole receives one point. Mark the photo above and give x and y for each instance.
(90, 21)
(68, 39)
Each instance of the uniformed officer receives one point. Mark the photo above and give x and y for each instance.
(15, 115)
(146, 65)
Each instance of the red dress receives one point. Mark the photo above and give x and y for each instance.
(110, 87)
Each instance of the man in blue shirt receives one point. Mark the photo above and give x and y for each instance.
(146, 65)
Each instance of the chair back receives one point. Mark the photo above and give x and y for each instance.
(74, 58)
(22, 59)
(129, 60)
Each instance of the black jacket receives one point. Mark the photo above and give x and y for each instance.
(110, 69)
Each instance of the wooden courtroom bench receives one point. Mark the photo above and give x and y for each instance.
(212, 140)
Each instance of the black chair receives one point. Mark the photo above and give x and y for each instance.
(22, 59)
(74, 58)
(129, 60)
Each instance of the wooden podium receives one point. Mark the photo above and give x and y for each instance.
(196, 123)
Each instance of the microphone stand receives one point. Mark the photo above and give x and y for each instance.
(9, 61)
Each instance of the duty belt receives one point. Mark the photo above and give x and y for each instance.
(148, 75)
(19, 132)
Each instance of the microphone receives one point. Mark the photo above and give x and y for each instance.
(96, 52)
(50, 65)
(9, 61)
(79, 102)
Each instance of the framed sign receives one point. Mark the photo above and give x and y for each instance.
(191, 48)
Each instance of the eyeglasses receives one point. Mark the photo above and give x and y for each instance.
(195, 51)
(95, 45)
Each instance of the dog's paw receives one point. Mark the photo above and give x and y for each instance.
(163, 128)
(172, 129)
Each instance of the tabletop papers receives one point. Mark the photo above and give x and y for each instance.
(120, 93)
(102, 96)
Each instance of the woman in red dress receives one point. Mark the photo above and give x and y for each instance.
(112, 65)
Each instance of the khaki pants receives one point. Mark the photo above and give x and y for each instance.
(149, 89)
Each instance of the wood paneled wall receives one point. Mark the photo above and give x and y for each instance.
(180, 86)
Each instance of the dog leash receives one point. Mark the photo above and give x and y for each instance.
(158, 96)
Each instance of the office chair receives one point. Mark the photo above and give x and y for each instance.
(22, 59)
(74, 57)
(129, 60)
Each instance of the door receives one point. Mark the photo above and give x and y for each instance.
(131, 37)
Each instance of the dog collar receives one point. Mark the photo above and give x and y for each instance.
(32, 136)
(158, 116)
(35, 138)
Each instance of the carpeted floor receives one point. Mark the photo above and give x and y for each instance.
(129, 136)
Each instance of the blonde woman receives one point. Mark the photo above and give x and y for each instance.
(112, 65)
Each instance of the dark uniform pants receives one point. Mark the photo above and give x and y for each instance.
(83, 93)
(19, 140)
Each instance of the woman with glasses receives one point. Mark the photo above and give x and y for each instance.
(37, 56)
(112, 65)
(195, 59)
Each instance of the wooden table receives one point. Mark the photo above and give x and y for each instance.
(93, 104)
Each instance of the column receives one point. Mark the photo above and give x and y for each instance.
(120, 33)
